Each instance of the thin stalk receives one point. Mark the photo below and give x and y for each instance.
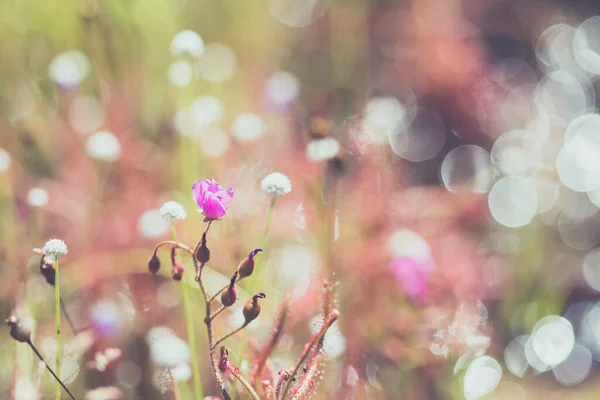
(37, 353)
(218, 293)
(191, 334)
(269, 219)
(57, 324)
(233, 332)
(331, 318)
(259, 271)
(219, 311)
(63, 307)
(245, 384)
(211, 349)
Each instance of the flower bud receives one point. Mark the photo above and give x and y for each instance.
(153, 264)
(47, 268)
(223, 359)
(177, 271)
(17, 330)
(177, 268)
(246, 267)
(203, 253)
(229, 296)
(252, 307)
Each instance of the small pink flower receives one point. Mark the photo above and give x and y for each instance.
(413, 276)
(211, 198)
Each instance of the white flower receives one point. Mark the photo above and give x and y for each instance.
(55, 247)
(276, 183)
(172, 210)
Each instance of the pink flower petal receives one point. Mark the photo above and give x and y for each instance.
(212, 207)
(226, 196)
(197, 192)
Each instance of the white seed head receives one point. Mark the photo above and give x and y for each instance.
(55, 247)
(172, 210)
(276, 183)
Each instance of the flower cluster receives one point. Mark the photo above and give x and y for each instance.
(276, 184)
(55, 247)
(172, 210)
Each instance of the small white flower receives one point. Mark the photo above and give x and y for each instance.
(276, 183)
(172, 210)
(55, 247)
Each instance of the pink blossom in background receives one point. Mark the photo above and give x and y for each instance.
(211, 198)
(413, 275)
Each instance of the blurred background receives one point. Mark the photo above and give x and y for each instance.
(445, 163)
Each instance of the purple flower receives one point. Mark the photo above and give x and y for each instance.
(412, 275)
(211, 198)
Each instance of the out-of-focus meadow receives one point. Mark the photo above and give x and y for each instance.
(444, 157)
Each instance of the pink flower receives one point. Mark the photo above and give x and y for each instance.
(412, 275)
(211, 198)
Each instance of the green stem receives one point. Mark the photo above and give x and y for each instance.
(246, 385)
(259, 271)
(269, 219)
(57, 323)
(191, 334)
(219, 311)
(233, 332)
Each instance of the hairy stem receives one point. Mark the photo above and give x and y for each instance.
(246, 386)
(266, 351)
(57, 325)
(236, 373)
(191, 334)
(331, 318)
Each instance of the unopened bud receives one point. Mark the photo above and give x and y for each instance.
(252, 307)
(246, 267)
(229, 296)
(47, 268)
(177, 271)
(17, 330)
(177, 268)
(153, 263)
(203, 253)
(223, 359)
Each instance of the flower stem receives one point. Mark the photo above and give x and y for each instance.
(247, 386)
(259, 271)
(57, 324)
(191, 334)
(269, 219)
(233, 332)
(219, 311)
(207, 320)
